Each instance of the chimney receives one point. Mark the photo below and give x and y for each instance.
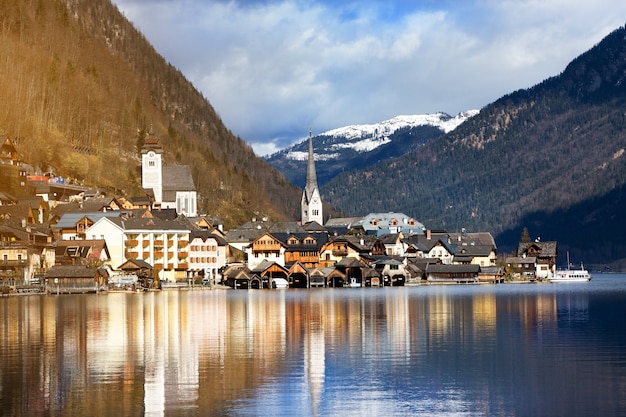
(428, 234)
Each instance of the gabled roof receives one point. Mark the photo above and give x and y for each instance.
(137, 224)
(278, 237)
(81, 248)
(473, 250)
(389, 238)
(204, 235)
(164, 214)
(454, 268)
(69, 220)
(546, 249)
(319, 240)
(314, 227)
(177, 178)
(71, 271)
(134, 265)
(265, 265)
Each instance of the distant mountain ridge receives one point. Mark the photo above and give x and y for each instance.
(551, 157)
(356, 146)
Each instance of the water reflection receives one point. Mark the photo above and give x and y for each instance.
(502, 350)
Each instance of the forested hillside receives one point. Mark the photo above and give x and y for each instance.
(80, 90)
(551, 152)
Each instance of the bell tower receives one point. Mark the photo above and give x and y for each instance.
(311, 204)
(152, 167)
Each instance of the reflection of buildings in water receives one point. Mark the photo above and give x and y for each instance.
(439, 316)
(573, 307)
(315, 355)
(536, 312)
(398, 322)
(484, 315)
(154, 350)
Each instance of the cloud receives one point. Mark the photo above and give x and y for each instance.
(272, 69)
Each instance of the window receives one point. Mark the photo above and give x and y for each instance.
(151, 163)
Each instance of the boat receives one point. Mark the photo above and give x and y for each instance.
(571, 275)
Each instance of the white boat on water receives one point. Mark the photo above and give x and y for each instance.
(571, 275)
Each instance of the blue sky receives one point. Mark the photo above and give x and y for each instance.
(274, 69)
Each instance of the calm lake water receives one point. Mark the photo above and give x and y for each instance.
(496, 350)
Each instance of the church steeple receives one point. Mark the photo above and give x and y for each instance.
(311, 175)
(311, 200)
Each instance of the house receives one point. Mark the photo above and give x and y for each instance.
(392, 243)
(384, 223)
(304, 248)
(341, 247)
(73, 225)
(392, 271)
(521, 267)
(491, 274)
(266, 247)
(14, 263)
(483, 255)
(545, 254)
(163, 244)
(207, 254)
(439, 249)
(25, 252)
(75, 279)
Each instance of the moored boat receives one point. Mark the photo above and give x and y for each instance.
(571, 275)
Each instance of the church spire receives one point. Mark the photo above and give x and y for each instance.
(311, 175)
(311, 203)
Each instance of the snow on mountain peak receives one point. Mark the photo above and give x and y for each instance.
(367, 137)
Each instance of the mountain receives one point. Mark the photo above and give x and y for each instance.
(551, 157)
(357, 146)
(81, 88)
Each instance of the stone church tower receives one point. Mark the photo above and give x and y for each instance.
(311, 203)
(152, 167)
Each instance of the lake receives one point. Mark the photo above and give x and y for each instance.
(449, 350)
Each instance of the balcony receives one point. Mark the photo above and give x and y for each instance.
(131, 243)
(183, 254)
(340, 253)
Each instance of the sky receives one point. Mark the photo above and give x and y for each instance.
(275, 69)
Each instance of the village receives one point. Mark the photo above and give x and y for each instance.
(65, 238)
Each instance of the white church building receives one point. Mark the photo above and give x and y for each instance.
(172, 187)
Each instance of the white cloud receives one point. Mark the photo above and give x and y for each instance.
(272, 69)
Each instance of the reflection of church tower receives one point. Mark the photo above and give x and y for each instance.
(311, 200)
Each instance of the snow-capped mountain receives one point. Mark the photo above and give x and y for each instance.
(358, 146)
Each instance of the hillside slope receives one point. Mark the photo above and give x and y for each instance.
(550, 149)
(80, 89)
